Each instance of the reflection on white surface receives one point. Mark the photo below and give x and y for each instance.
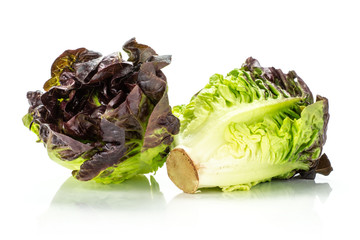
(91, 207)
(284, 206)
(277, 206)
(133, 194)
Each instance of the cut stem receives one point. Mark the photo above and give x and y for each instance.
(182, 171)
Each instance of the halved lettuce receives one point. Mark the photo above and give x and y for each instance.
(105, 118)
(251, 126)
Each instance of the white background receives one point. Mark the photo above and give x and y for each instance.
(318, 39)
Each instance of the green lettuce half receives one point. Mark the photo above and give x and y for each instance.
(251, 126)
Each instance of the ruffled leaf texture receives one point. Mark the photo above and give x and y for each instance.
(105, 118)
(253, 125)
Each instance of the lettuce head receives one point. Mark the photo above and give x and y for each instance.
(105, 118)
(251, 126)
